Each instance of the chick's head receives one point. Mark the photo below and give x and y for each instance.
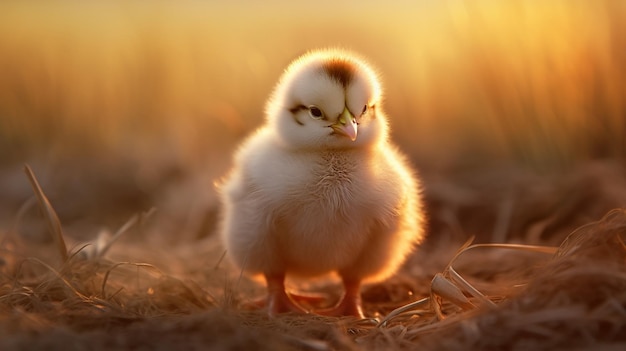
(327, 99)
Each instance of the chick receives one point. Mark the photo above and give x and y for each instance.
(319, 187)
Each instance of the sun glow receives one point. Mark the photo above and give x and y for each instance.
(475, 81)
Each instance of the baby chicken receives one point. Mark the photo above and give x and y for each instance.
(319, 187)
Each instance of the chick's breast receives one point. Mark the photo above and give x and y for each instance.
(311, 213)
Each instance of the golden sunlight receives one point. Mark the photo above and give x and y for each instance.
(509, 119)
(465, 82)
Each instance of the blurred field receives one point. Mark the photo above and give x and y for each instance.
(479, 80)
(514, 113)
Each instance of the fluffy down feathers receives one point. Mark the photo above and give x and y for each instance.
(319, 187)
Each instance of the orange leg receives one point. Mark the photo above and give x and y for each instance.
(350, 304)
(277, 299)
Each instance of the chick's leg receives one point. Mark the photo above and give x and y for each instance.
(277, 299)
(350, 304)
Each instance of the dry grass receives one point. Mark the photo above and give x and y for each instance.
(537, 297)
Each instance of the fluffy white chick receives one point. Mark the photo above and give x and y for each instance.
(319, 187)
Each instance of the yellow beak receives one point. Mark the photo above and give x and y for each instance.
(346, 125)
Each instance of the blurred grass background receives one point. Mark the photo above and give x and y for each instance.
(139, 93)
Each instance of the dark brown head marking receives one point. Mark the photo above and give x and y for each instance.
(340, 70)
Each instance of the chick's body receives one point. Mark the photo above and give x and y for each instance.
(313, 194)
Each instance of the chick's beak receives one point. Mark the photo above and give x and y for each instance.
(346, 125)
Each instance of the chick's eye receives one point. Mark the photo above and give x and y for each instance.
(315, 112)
(364, 110)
